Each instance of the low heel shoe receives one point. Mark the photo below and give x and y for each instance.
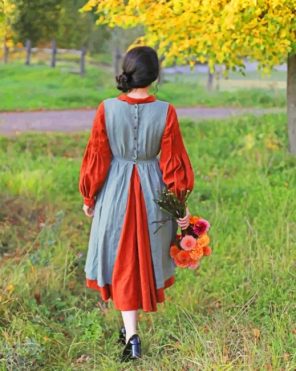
(132, 349)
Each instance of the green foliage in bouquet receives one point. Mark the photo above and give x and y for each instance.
(171, 204)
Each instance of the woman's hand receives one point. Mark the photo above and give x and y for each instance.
(184, 222)
(88, 211)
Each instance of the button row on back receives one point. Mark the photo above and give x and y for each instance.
(135, 138)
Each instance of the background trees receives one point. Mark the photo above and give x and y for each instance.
(44, 20)
(222, 32)
(36, 20)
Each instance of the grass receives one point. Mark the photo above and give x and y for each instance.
(236, 313)
(39, 87)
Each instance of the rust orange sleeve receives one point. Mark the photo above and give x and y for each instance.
(175, 165)
(96, 159)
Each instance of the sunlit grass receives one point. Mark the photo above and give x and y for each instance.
(236, 313)
(38, 87)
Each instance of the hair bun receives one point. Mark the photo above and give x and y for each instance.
(123, 81)
(140, 67)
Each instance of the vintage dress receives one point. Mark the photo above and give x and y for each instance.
(135, 149)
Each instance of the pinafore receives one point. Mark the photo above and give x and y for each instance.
(128, 259)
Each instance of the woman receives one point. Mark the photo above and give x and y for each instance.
(135, 149)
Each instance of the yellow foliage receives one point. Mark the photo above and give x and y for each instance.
(7, 11)
(216, 31)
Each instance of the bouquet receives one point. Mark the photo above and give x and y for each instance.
(192, 244)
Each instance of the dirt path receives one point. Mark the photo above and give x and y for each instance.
(78, 120)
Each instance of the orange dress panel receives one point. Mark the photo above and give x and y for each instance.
(133, 281)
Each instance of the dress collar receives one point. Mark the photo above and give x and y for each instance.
(126, 98)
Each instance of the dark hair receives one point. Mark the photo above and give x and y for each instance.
(140, 67)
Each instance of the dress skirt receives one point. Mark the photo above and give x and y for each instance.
(133, 279)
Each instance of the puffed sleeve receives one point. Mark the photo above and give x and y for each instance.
(96, 159)
(174, 162)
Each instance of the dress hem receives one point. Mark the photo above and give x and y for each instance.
(106, 291)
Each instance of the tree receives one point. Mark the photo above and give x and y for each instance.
(7, 12)
(214, 31)
(43, 20)
(36, 20)
(76, 29)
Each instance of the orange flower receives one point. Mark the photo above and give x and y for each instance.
(203, 240)
(182, 259)
(193, 219)
(196, 253)
(207, 250)
(174, 250)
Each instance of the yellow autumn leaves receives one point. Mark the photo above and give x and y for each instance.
(7, 10)
(216, 31)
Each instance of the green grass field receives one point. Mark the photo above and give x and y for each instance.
(236, 313)
(39, 87)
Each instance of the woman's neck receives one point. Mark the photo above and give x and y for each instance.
(139, 93)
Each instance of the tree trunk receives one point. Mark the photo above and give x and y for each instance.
(161, 73)
(210, 80)
(28, 52)
(291, 102)
(117, 60)
(82, 61)
(53, 53)
(5, 53)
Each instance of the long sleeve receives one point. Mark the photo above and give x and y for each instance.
(96, 159)
(174, 162)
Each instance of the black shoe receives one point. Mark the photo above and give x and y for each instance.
(132, 349)
(121, 337)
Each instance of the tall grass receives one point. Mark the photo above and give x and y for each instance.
(237, 312)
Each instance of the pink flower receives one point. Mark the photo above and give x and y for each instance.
(188, 242)
(193, 265)
(201, 227)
